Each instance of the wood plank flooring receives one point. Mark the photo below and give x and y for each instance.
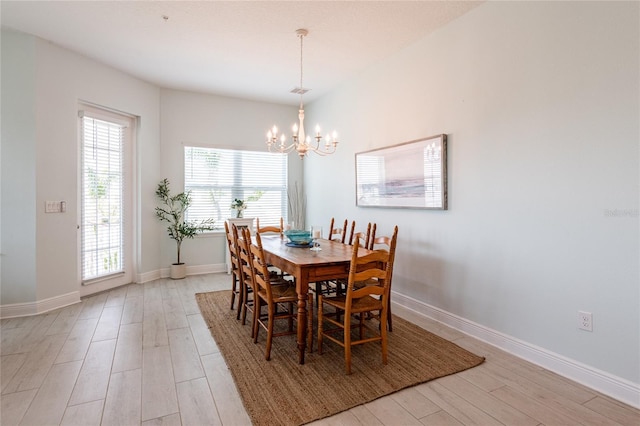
(142, 355)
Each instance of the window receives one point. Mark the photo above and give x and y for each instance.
(216, 177)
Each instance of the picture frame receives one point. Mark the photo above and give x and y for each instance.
(410, 175)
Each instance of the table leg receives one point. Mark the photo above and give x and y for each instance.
(302, 326)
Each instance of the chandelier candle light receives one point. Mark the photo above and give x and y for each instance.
(301, 143)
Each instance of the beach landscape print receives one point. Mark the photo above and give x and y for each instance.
(408, 175)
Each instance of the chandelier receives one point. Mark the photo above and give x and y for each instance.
(302, 143)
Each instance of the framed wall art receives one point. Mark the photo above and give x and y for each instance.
(408, 175)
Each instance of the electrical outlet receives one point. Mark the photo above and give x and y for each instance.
(585, 321)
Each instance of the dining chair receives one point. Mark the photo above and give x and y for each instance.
(246, 277)
(340, 234)
(383, 243)
(336, 233)
(377, 265)
(364, 236)
(349, 239)
(269, 295)
(270, 229)
(235, 270)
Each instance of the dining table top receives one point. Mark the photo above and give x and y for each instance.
(308, 266)
(332, 251)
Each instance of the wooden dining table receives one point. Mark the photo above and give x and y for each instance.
(307, 266)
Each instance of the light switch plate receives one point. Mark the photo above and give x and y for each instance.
(52, 207)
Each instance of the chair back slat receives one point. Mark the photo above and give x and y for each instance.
(272, 229)
(364, 268)
(231, 245)
(244, 256)
(259, 267)
(388, 244)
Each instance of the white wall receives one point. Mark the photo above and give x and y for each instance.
(541, 105)
(215, 121)
(39, 125)
(18, 170)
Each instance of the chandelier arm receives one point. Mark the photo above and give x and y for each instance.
(285, 150)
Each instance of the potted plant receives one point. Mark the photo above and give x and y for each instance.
(172, 210)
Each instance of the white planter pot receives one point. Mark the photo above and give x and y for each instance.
(178, 271)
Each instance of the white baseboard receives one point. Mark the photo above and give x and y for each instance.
(608, 384)
(148, 276)
(39, 307)
(191, 270)
(46, 305)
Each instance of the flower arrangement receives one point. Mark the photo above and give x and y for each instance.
(238, 205)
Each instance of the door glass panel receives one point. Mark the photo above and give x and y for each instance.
(102, 199)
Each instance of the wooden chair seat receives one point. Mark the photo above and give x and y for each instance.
(363, 304)
(285, 292)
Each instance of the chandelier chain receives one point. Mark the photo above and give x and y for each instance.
(301, 70)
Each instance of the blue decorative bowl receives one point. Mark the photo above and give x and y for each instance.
(298, 236)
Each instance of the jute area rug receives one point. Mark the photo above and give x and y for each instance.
(283, 392)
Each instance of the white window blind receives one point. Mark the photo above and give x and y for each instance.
(370, 176)
(216, 177)
(102, 206)
(432, 177)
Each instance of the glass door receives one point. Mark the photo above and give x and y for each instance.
(106, 230)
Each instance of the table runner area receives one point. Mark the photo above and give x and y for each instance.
(283, 392)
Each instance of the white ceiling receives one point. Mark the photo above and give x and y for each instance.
(245, 49)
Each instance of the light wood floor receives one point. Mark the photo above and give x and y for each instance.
(141, 354)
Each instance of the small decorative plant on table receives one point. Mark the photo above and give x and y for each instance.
(172, 211)
(239, 205)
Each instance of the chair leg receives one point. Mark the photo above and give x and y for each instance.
(244, 312)
(256, 313)
(383, 335)
(241, 298)
(233, 289)
(320, 326)
(389, 321)
(309, 322)
(347, 343)
(267, 354)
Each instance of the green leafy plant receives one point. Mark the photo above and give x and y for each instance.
(172, 210)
